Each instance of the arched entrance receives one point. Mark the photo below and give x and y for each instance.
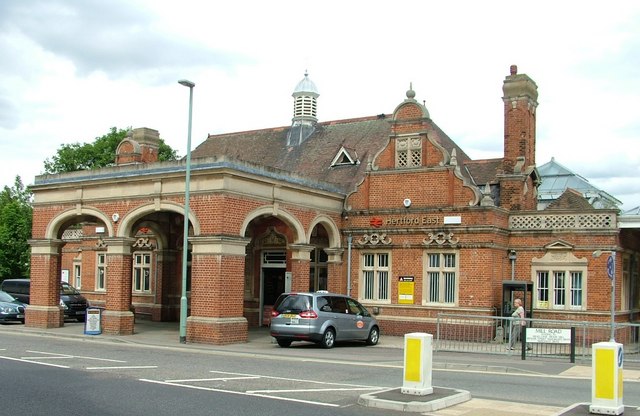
(279, 259)
(127, 265)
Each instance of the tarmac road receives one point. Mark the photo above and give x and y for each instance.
(165, 335)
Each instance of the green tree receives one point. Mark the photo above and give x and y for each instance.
(15, 229)
(100, 153)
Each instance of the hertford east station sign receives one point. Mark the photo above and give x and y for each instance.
(414, 221)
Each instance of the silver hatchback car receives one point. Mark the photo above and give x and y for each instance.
(323, 318)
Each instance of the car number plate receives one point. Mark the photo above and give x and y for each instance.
(290, 315)
(20, 316)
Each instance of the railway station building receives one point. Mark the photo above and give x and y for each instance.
(386, 208)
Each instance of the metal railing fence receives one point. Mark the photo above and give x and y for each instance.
(491, 334)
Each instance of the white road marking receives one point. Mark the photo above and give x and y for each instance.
(129, 367)
(240, 393)
(195, 380)
(47, 358)
(57, 355)
(312, 390)
(299, 380)
(34, 362)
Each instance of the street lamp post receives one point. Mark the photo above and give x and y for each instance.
(611, 272)
(185, 239)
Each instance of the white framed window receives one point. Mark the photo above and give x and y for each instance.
(77, 275)
(141, 272)
(441, 278)
(101, 271)
(408, 152)
(560, 289)
(375, 283)
(560, 279)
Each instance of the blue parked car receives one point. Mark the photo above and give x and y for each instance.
(11, 309)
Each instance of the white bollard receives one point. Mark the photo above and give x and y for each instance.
(607, 381)
(418, 364)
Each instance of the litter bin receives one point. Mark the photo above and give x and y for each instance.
(93, 321)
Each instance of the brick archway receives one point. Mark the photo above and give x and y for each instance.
(273, 210)
(55, 226)
(131, 217)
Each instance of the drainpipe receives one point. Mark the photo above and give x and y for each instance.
(349, 238)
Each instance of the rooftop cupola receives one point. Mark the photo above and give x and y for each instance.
(305, 106)
(305, 109)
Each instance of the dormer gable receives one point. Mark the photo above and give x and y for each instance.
(410, 116)
(344, 157)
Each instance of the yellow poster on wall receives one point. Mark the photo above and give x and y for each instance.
(405, 289)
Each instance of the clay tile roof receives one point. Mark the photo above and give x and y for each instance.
(364, 137)
(571, 199)
(483, 171)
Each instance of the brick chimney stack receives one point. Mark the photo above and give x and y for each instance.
(520, 102)
(518, 181)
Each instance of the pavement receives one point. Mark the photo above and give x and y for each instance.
(442, 402)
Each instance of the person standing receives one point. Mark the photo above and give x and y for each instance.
(517, 323)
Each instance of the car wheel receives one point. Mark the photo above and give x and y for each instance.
(374, 336)
(284, 343)
(328, 338)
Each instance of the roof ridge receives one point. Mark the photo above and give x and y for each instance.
(355, 119)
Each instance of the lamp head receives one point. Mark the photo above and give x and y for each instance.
(186, 83)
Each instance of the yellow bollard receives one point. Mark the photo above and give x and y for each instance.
(607, 381)
(418, 364)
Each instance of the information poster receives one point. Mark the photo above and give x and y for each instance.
(405, 289)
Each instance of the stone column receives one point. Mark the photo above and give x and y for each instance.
(217, 290)
(44, 305)
(300, 265)
(337, 282)
(118, 319)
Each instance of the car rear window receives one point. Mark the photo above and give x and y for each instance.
(66, 289)
(293, 303)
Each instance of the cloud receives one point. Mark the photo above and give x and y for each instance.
(73, 69)
(9, 113)
(110, 37)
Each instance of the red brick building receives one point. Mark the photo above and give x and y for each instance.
(386, 208)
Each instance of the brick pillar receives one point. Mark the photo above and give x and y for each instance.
(217, 290)
(337, 282)
(44, 309)
(118, 318)
(300, 265)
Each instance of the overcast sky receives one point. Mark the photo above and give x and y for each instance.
(71, 70)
